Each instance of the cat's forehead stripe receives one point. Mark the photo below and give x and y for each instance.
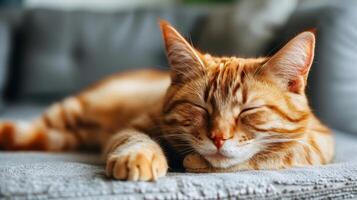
(227, 75)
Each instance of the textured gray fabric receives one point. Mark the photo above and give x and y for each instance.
(45, 175)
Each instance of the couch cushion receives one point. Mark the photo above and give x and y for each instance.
(33, 175)
(245, 28)
(5, 42)
(65, 51)
(21, 111)
(332, 85)
(335, 87)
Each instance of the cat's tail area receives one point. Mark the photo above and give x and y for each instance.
(50, 132)
(33, 136)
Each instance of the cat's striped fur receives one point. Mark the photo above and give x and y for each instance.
(225, 113)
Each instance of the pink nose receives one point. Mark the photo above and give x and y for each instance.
(218, 141)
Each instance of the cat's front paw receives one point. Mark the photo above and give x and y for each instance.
(140, 165)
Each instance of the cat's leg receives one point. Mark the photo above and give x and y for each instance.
(133, 155)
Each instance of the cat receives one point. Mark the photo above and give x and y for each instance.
(223, 113)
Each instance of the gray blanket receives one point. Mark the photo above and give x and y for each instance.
(32, 175)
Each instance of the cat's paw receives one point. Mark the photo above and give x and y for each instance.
(140, 165)
(195, 163)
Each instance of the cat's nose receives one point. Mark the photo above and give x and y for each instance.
(218, 141)
(218, 137)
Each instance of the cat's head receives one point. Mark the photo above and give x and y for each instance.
(230, 109)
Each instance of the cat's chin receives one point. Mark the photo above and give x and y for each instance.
(221, 161)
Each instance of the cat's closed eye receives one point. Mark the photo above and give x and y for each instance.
(247, 110)
(189, 115)
(252, 115)
(198, 116)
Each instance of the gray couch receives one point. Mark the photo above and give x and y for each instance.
(47, 54)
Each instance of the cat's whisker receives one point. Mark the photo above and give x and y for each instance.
(187, 151)
(267, 141)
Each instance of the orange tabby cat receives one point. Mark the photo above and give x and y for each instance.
(224, 113)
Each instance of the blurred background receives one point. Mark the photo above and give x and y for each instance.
(51, 48)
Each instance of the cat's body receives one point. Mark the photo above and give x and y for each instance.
(225, 113)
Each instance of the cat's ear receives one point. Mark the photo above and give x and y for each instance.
(185, 61)
(290, 66)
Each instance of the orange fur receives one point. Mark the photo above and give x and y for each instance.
(223, 113)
